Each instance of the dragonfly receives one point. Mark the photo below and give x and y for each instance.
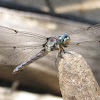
(21, 48)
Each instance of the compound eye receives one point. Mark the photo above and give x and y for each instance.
(66, 41)
(60, 38)
(67, 37)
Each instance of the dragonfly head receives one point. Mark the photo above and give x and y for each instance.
(63, 40)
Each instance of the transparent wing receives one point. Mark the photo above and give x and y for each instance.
(15, 56)
(86, 34)
(8, 35)
(16, 46)
(87, 39)
(87, 43)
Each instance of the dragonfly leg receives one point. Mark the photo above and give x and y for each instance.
(56, 64)
(57, 56)
(65, 51)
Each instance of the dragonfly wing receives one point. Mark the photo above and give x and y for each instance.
(88, 34)
(87, 43)
(36, 56)
(8, 35)
(16, 56)
(87, 39)
(17, 46)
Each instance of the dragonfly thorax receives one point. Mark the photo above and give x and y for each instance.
(51, 44)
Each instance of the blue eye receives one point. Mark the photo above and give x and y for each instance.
(60, 39)
(63, 40)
